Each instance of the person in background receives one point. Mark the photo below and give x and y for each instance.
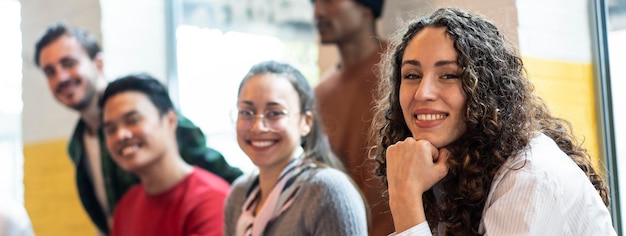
(173, 198)
(345, 94)
(72, 62)
(467, 148)
(299, 188)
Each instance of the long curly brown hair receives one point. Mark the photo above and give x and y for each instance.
(502, 115)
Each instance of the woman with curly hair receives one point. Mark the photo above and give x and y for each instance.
(467, 148)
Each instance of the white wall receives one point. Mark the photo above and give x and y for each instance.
(134, 37)
(558, 30)
(502, 12)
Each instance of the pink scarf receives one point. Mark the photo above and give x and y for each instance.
(279, 199)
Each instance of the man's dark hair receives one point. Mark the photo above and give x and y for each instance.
(375, 5)
(143, 83)
(56, 30)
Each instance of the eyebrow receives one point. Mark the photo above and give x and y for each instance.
(269, 104)
(437, 64)
(128, 114)
(64, 60)
(67, 59)
(445, 63)
(411, 62)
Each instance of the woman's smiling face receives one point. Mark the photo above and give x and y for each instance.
(270, 124)
(431, 94)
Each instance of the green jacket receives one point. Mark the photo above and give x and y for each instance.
(192, 148)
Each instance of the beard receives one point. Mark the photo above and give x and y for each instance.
(88, 96)
(83, 104)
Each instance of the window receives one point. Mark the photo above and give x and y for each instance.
(611, 38)
(11, 158)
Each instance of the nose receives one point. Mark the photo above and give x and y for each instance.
(60, 79)
(122, 134)
(259, 123)
(427, 89)
(62, 74)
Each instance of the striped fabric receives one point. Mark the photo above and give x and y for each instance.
(278, 201)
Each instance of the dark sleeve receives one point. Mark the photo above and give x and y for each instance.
(193, 149)
(88, 199)
(84, 185)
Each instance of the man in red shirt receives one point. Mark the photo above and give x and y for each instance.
(174, 198)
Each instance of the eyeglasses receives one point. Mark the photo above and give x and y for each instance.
(269, 118)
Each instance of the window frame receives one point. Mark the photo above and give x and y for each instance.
(599, 13)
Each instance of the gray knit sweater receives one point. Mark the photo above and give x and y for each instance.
(327, 204)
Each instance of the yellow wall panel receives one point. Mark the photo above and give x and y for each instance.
(568, 89)
(50, 193)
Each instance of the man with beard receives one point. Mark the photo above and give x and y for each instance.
(72, 63)
(344, 94)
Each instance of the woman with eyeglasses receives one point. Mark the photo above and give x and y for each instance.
(299, 188)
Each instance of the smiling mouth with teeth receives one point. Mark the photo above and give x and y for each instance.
(129, 149)
(261, 143)
(65, 86)
(427, 117)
